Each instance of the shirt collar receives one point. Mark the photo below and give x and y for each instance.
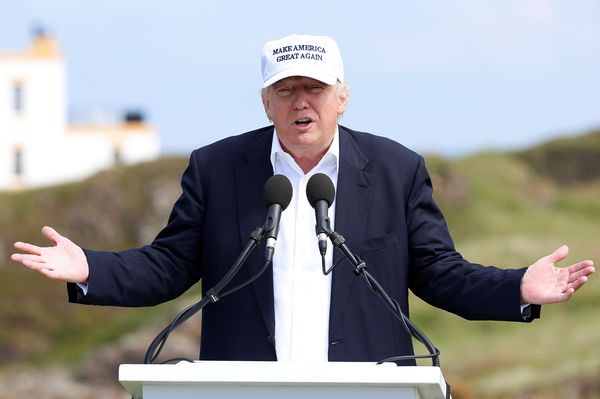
(331, 156)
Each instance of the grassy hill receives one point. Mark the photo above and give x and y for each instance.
(505, 209)
(117, 209)
(509, 210)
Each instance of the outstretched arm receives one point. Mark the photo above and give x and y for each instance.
(64, 261)
(544, 283)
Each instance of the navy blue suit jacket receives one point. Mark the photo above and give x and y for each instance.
(385, 211)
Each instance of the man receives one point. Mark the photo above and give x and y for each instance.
(383, 207)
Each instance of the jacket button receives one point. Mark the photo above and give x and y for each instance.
(270, 339)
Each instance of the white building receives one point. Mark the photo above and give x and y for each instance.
(37, 145)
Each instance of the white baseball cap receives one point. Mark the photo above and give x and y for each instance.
(316, 57)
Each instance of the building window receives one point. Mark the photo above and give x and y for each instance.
(18, 162)
(18, 97)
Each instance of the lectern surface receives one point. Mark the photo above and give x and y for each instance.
(281, 380)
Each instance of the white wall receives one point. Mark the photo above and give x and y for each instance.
(52, 151)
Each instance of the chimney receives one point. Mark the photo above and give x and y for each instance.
(43, 45)
(133, 117)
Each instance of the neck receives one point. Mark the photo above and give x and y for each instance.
(307, 163)
(305, 160)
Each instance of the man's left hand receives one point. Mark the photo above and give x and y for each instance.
(544, 283)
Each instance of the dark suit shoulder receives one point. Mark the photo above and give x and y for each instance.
(243, 146)
(382, 150)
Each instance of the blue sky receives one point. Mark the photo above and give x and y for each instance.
(451, 77)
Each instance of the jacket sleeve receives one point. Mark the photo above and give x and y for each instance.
(157, 272)
(440, 276)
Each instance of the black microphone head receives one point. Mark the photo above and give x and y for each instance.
(320, 187)
(278, 190)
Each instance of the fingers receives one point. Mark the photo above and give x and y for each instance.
(577, 284)
(25, 247)
(26, 257)
(50, 273)
(44, 269)
(48, 232)
(32, 262)
(568, 290)
(51, 234)
(559, 254)
(36, 264)
(565, 296)
(580, 269)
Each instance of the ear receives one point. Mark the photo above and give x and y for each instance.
(266, 104)
(342, 104)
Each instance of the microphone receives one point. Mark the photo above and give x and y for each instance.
(277, 195)
(320, 193)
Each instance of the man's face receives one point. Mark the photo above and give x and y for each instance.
(304, 112)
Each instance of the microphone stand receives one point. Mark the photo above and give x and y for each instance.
(212, 295)
(360, 269)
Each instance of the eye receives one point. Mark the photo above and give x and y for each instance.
(315, 89)
(283, 91)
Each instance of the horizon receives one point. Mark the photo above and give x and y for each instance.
(439, 78)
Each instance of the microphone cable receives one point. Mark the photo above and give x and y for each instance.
(320, 193)
(212, 295)
(277, 194)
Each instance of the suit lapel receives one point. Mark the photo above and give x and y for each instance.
(250, 179)
(353, 200)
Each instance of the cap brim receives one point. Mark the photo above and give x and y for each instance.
(305, 72)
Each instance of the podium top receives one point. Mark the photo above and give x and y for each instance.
(426, 379)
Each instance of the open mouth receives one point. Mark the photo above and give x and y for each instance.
(303, 122)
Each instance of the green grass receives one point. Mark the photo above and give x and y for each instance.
(109, 211)
(502, 209)
(512, 217)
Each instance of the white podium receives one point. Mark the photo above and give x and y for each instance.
(266, 380)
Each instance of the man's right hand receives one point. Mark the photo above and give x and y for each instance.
(64, 261)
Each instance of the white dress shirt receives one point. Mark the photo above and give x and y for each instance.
(301, 292)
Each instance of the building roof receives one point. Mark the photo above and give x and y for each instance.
(43, 45)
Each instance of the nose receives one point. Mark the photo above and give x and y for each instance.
(301, 100)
